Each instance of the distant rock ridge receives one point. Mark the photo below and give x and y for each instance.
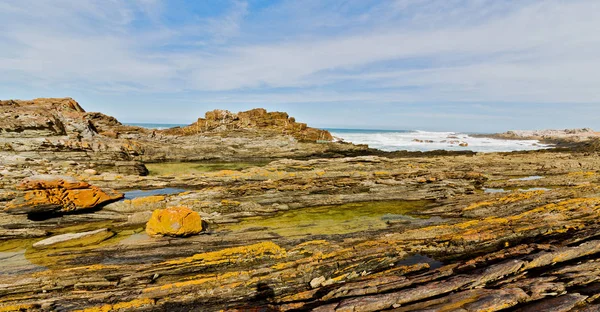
(552, 134)
(258, 119)
(59, 129)
(47, 117)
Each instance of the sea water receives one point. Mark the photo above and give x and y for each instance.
(157, 126)
(415, 140)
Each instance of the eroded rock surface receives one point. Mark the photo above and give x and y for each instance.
(223, 121)
(320, 227)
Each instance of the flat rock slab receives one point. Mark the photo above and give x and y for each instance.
(75, 239)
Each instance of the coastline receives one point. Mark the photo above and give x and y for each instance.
(289, 223)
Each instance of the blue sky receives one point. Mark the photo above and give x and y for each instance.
(459, 65)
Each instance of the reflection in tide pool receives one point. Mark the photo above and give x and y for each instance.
(327, 220)
(14, 262)
(529, 178)
(143, 193)
(494, 190)
(501, 190)
(418, 258)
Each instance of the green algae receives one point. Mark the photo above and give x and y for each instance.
(17, 244)
(329, 220)
(177, 168)
(61, 256)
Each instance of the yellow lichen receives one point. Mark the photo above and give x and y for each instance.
(140, 201)
(512, 198)
(230, 203)
(133, 304)
(18, 307)
(234, 254)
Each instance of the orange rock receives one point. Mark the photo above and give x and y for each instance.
(46, 193)
(174, 221)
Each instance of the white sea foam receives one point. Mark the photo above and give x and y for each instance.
(429, 141)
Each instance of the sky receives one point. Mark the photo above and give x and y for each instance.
(440, 65)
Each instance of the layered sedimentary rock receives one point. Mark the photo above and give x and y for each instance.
(48, 193)
(223, 121)
(42, 117)
(60, 130)
(326, 231)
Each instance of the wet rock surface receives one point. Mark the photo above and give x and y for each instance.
(329, 232)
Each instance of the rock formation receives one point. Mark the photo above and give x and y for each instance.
(572, 135)
(42, 117)
(258, 119)
(60, 130)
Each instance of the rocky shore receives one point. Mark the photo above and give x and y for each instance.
(255, 211)
(562, 137)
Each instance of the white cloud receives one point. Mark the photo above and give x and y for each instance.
(397, 51)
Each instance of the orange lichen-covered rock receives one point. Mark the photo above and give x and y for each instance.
(174, 221)
(47, 193)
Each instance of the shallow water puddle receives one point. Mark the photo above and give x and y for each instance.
(531, 189)
(504, 190)
(15, 262)
(494, 190)
(18, 255)
(418, 258)
(529, 178)
(135, 239)
(328, 220)
(143, 193)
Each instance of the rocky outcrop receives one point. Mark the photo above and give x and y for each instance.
(47, 193)
(223, 121)
(521, 248)
(174, 221)
(320, 232)
(572, 135)
(60, 130)
(43, 117)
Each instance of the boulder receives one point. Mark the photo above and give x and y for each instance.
(131, 168)
(49, 193)
(174, 221)
(90, 171)
(75, 239)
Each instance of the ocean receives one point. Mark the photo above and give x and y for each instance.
(158, 126)
(413, 140)
(416, 140)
